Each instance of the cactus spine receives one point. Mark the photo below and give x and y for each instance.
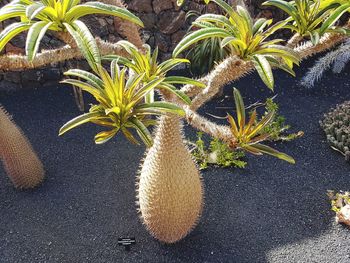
(170, 189)
(22, 165)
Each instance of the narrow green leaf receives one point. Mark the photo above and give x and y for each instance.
(105, 136)
(184, 80)
(77, 121)
(35, 34)
(261, 124)
(11, 31)
(86, 42)
(334, 17)
(284, 5)
(169, 64)
(199, 35)
(160, 107)
(142, 131)
(268, 150)
(234, 127)
(100, 8)
(264, 70)
(129, 136)
(89, 77)
(11, 12)
(34, 9)
(240, 109)
(170, 88)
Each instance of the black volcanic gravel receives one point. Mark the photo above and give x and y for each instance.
(269, 212)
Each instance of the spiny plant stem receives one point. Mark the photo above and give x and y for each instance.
(20, 62)
(220, 76)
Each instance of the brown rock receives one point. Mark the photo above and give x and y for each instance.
(265, 14)
(149, 20)
(141, 6)
(343, 216)
(170, 22)
(161, 5)
(163, 42)
(113, 38)
(213, 8)
(195, 7)
(176, 37)
(102, 21)
(13, 49)
(110, 20)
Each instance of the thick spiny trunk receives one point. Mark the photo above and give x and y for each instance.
(20, 161)
(170, 188)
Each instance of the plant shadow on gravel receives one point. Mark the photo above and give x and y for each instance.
(88, 199)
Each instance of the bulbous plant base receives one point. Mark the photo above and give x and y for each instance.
(170, 190)
(22, 165)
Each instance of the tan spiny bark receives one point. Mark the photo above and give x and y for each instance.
(170, 191)
(21, 163)
(20, 62)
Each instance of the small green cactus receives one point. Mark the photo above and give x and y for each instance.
(337, 128)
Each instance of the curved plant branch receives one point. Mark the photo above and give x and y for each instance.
(229, 70)
(221, 76)
(20, 62)
(294, 40)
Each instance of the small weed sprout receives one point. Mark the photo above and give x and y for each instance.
(278, 128)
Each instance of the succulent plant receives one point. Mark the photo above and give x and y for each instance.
(147, 63)
(121, 105)
(22, 165)
(336, 125)
(309, 18)
(249, 133)
(170, 191)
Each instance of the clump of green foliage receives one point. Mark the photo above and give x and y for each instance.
(312, 18)
(216, 153)
(205, 54)
(245, 38)
(278, 127)
(220, 154)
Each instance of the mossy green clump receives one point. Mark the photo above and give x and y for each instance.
(278, 129)
(336, 125)
(217, 153)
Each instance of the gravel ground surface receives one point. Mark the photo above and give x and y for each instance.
(269, 212)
